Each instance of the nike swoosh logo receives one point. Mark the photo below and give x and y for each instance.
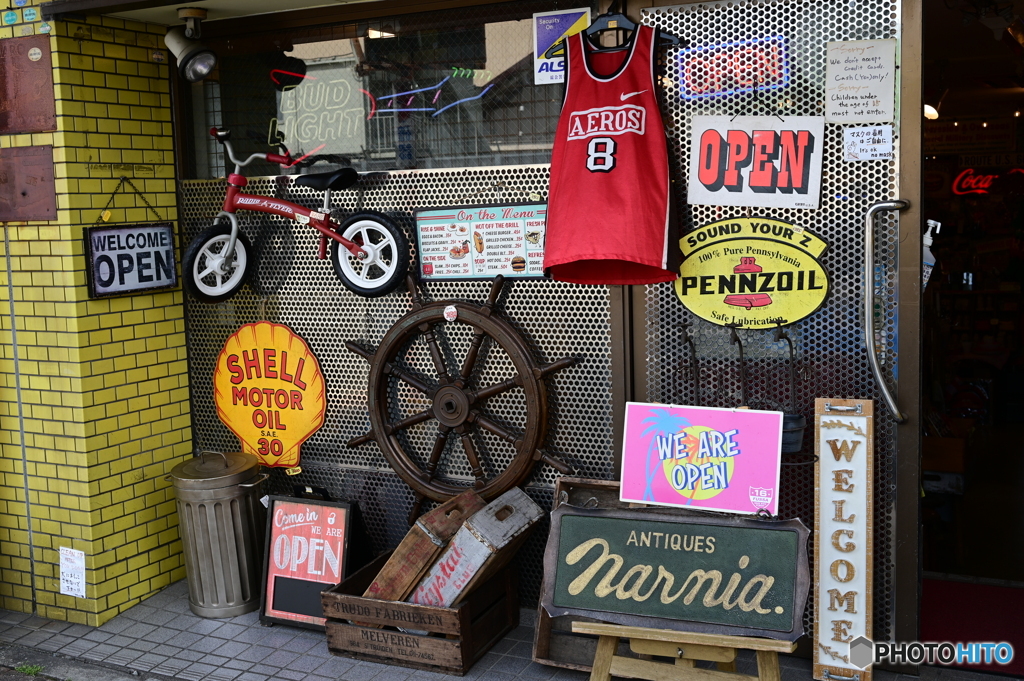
(624, 96)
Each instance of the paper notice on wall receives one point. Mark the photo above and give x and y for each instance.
(72, 572)
(867, 144)
(860, 81)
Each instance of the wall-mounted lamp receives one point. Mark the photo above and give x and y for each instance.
(195, 60)
(930, 112)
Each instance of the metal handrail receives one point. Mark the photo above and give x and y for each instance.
(869, 310)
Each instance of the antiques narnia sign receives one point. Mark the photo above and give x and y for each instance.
(723, 575)
(762, 161)
(269, 391)
(307, 542)
(702, 457)
(843, 526)
(755, 273)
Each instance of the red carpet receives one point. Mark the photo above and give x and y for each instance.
(963, 612)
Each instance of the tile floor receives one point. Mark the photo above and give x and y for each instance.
(161, 639)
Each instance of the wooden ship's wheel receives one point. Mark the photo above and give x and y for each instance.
(454, 400)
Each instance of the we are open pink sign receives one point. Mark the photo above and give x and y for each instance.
(702, 457)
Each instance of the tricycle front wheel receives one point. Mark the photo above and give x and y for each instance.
(387, 255)
(211, 275)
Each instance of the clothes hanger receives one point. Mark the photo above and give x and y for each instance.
(615, 20)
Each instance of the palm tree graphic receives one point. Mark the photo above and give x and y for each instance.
(661, 423)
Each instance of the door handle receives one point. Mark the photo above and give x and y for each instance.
(869, 290)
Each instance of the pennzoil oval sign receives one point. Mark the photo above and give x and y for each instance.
(755, 273)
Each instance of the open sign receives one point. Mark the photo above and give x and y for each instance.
(306, 550)
(129, 259)
(759, 161)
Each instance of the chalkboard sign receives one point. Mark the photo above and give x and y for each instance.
(724, 575)
(306, 551)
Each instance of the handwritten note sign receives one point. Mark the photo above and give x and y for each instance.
(869, 143)
(72, 572)
(860, 81)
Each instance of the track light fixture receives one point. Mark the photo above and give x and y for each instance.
(195, 60)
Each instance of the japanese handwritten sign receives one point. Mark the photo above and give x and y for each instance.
(870, 143)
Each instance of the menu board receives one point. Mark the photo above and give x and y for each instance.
(481, 242)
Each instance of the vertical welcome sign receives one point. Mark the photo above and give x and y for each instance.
(843, 513)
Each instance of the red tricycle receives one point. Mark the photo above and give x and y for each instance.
(369, 252)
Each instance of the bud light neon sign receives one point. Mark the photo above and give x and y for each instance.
(729, 68)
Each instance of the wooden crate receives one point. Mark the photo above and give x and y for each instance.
(458, 636)
(554, 642)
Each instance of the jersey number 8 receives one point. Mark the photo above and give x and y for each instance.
(601, 155)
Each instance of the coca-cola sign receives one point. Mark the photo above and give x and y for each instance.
(971, 181)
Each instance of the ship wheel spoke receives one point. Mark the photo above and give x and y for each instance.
(408, 377)
(492, 390)
(408, 421)
(471, 355)
(492, 427)
(471, 456)
(435, 353)
(431, 467)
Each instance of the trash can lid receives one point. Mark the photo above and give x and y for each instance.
(213, 470)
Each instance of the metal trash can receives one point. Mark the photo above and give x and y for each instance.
(222, 524)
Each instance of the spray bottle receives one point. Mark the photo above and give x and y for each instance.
(927, 259)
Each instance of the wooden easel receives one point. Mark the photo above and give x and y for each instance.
(685, 647)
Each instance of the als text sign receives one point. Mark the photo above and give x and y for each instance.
(673, 571)
(761, 161)
(129, 259)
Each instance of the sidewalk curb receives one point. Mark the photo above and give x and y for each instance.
(57, 667)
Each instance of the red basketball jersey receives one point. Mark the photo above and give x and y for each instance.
(608, 205)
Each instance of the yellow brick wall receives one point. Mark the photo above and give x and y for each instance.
(94, 407)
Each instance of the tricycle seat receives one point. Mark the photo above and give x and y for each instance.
(337, 179)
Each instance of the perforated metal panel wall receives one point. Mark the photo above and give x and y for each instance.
(291, 286)
(831, 354)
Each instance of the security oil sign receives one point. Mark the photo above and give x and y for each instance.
(269, 391)
(755, 273)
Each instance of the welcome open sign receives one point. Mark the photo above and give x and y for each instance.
(672, 571)
(130, 259)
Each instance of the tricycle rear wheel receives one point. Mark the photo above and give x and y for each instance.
(387, 259)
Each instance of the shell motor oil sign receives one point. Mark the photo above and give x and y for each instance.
(269, 391)
(756, 273)
(762, 161)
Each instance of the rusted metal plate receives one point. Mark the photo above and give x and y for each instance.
(26, 85)
(26, 184)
